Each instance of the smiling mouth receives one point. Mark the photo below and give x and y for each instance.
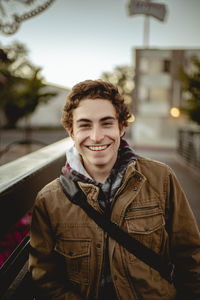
(98, 148)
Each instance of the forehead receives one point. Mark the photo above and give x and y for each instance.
(94, 109)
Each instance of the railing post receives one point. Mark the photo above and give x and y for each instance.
(189, 146)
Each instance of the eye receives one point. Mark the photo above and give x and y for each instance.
(108, 123)
(84, 125)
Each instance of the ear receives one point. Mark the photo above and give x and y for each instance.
(122, 131)
(70, 133)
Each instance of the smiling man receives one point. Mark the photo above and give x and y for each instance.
(96, 135)
(71, 257)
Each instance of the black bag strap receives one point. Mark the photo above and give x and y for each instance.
(145, 254)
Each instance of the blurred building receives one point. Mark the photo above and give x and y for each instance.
(157, 91)
(48, 114)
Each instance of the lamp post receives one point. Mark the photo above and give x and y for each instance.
(149, 9)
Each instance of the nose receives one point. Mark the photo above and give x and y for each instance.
(96, 134)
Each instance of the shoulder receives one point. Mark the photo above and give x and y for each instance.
(51, 202)
(148, 165)
(49, 193)
(51, 186)
(157, 173)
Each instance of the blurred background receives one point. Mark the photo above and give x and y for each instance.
(149, 49)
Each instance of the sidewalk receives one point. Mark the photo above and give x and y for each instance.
(11, 149)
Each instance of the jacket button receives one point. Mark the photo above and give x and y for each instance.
(135, 188)
(115, 277)
(139, 179)
(98, 245)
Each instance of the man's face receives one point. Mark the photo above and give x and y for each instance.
(96, 134)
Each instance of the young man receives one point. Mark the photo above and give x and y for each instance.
(71, 257)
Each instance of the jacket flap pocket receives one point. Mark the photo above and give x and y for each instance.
(145, 225)
(73, 248)
(144, 220)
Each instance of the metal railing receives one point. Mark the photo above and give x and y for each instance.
(189, 146)
(20, 182)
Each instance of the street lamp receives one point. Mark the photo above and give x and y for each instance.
(175, 112)
(14, 12)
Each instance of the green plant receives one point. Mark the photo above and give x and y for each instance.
(122, 77)
(22, 87)
(191, 86)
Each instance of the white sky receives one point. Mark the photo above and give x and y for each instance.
(74, 40)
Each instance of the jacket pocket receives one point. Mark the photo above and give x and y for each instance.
(77, 256)
(145, 223)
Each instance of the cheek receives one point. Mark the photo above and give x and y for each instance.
(116, 134)
(80, 136)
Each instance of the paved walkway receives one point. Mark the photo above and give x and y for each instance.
(189, 182)
(11, 149)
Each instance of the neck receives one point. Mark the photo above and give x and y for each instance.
(99, 174)
(100, 177)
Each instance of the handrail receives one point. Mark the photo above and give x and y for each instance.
(21, 180)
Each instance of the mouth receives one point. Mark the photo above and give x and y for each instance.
(98, 148)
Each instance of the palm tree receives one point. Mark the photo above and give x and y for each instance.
(22, 87)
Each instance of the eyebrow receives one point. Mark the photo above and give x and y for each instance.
(103, 119)
(82, 120)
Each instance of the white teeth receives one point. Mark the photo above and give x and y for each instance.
(97, 148)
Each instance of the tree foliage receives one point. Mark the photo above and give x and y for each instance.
(22, 87)
(191, 87)
(122, 77)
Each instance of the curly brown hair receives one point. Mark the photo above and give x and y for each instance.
(94, 89)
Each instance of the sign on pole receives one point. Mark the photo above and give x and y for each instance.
(155, 10)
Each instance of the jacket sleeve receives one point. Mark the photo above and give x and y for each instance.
(46, 266)
(185, 241)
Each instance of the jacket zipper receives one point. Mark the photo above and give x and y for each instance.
(121, 191)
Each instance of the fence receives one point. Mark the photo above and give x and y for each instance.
(189, 146)
(20, 182)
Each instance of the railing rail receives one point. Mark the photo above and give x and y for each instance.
(14, 276)
(189, 146)
(20, 182)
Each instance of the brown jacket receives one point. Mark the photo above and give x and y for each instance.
(67, 246)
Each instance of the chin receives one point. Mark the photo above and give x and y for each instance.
(102, 162)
